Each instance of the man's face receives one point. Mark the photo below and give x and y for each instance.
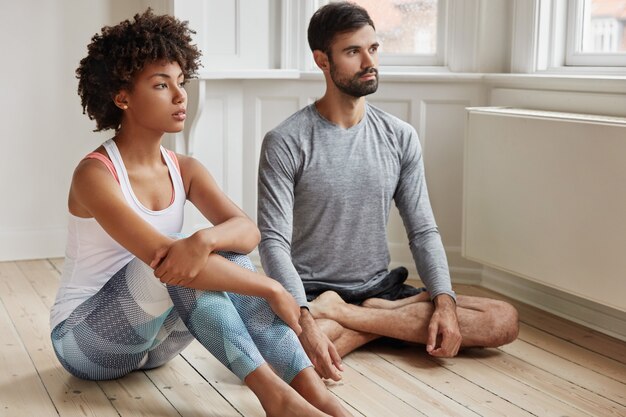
(353, 62)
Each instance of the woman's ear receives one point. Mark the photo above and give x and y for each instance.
(121, 100)
(321, 60)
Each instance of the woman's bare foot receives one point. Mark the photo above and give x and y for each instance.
(277, 398)
(327, 305)
(289, 404)
(311, 387)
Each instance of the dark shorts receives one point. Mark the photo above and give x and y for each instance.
(391, 287)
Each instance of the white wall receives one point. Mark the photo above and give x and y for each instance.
(45, 133)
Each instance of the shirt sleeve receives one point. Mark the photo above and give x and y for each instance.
(277, 173)
(411, 198)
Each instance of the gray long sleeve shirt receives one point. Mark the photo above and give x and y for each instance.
(324, 199)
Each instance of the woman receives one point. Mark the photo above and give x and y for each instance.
(113, 313)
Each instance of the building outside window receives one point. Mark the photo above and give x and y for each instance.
(603, 26)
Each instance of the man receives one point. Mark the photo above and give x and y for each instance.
(327, 176)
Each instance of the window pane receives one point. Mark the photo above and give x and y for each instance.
(404, 26)
(604, 24)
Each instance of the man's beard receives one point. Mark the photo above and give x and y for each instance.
(354, 86)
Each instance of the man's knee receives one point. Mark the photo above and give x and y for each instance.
(505, 321)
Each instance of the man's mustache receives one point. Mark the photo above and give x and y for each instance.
(367, 71)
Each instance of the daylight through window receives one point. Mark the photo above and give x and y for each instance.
(603, 26)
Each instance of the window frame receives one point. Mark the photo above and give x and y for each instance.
(296, 54)
(574, 33)
(542, 34)
(436, 59)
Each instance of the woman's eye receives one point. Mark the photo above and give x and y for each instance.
(161, 86)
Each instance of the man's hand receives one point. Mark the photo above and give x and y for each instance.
(319, 348)
(444, 335)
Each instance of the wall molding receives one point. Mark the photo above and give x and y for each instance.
(570, 307)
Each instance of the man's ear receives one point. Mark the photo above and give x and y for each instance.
(321, 60)
(121, 100)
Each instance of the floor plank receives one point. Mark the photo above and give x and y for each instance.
(21, 391)
(404, 386)
(71, 396)
(569, 371)
(189, 393)
(371, 399)
(574, 353)
(525, 396)
(229, 386)
(582, 399)
(464, 391)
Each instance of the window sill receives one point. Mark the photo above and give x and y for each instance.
(541, 80)
(253, 74)
(560, 81)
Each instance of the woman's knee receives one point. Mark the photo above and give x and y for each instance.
(241, 260)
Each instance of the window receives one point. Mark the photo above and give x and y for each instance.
(569, 36)
(596, 33)
(411, 32)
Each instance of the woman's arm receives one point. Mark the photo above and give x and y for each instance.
(233, 230)
(94, 192)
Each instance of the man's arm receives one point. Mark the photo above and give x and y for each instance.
(277, 170)
(278, 166)
(411, 197)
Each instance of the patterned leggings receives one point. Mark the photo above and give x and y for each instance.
(135, 322)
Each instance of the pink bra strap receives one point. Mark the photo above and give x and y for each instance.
(172, 155)
(106, 161)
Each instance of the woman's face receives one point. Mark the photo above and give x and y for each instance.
(158, 99)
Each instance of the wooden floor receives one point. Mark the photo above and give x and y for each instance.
(555, 368)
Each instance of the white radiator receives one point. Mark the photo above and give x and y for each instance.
(545, 199)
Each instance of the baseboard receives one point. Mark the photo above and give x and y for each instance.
(579, 310)
(16, 245)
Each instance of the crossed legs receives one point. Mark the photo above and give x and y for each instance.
(483, 322)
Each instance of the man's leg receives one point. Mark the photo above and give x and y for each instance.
(345, 340)
(483, 322)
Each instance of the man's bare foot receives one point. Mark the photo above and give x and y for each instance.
(389, 305)
(327, 305)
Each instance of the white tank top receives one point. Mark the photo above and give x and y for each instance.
(92, 257)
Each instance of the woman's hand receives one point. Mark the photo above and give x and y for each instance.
(181, 261)
(285, 306)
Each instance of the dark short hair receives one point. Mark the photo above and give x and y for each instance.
(333, 19)
(119, 52)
